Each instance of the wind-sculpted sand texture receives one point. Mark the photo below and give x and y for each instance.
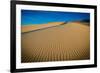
(70, 41)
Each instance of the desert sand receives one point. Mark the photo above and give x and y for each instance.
(70, 41)
(27, 28)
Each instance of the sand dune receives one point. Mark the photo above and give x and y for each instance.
(37, 26)
(64, 42)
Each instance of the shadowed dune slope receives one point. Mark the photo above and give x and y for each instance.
(61, 43)
(27, 28)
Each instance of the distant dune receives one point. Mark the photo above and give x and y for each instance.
(27, 28)
(70, 41)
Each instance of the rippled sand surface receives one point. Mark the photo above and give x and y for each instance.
(70, 41)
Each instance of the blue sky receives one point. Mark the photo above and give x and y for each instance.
(41, 17)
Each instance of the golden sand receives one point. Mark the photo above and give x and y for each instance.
(64, 42)
(30, 27)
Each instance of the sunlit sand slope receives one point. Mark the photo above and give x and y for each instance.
(61, 43)
(27, 28)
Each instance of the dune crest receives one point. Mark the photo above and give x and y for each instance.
(70, 41)
(28, 28)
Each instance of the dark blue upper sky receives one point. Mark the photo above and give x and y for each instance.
(42, 17)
